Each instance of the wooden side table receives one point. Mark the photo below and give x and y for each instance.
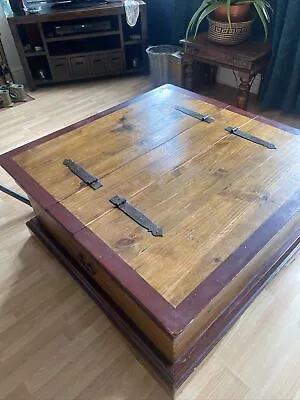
(248, 59)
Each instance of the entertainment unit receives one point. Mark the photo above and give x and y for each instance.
(63, 45)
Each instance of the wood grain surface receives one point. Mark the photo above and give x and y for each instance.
(55, 342)
(208, 189)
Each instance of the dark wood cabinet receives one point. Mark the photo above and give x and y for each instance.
(58, 46)
(60, 68)
(98, 64)
(79, 66)
(115, 62)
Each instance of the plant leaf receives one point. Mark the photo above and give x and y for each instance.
(193, 20)
(204, 14)
(228, 12)
(262, 8)
(262, 18)
(262, 5)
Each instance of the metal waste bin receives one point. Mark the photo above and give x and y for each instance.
(165, 64)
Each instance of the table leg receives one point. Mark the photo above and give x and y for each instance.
(188, 73)
(244, 90)
(213, 75)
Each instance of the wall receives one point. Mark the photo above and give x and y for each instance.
(10, 49)
(168, 20)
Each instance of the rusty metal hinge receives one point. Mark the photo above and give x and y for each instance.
(251, 138)
(136, 215)
(194, 114)
(85, 176)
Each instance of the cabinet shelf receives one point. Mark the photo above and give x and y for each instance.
(131, 42)
(86, 53)
(35, 53)
(79, 44)
(81, 36)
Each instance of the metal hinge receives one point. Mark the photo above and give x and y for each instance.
(194, 114)
(85, 176)
(136, 215)
(249, 137)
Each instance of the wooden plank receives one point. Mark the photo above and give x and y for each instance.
(105, 145)
(207, 207)
(145, 170)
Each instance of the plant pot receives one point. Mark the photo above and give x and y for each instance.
(238, 13)
(221, 32)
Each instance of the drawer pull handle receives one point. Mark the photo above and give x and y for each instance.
(60, 65)
(79, 63)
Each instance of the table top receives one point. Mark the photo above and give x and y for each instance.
(248, 50)
(47, 13)
(245, 57)
(220, 199)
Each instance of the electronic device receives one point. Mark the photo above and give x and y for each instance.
(74, 4)
(89, 27)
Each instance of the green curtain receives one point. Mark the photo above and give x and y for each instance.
(281, 86)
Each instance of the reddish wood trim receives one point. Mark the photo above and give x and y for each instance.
(204, 344)
(79, 124)
(198, 96)
(174, 320)
(177, 89)
(115, 313)
(229, 268)
(103, 113)
(127, 103)
(70, 223)
(28, 184)
(242, 112)
(248, 114)
(155, 305)
(279, 125)
(171, 319)
(148, 298)
(173, 374)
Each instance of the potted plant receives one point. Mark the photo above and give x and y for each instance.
(231, 20)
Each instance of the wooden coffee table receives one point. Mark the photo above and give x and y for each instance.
(248, 59)
(204, 219)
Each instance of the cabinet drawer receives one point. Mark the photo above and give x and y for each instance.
(98, 64)
(79, 66)
(60, 68)
(115, 62)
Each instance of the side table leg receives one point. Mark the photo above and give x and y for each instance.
(188, 74)
(244, 90)
(213, 75)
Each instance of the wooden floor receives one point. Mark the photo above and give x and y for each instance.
(56, 344)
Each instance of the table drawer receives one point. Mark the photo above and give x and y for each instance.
(115, 62)
(60, 68)
(79, 66)
(98, 64)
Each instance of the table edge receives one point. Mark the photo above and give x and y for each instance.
(94, 117)
(173, 319)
